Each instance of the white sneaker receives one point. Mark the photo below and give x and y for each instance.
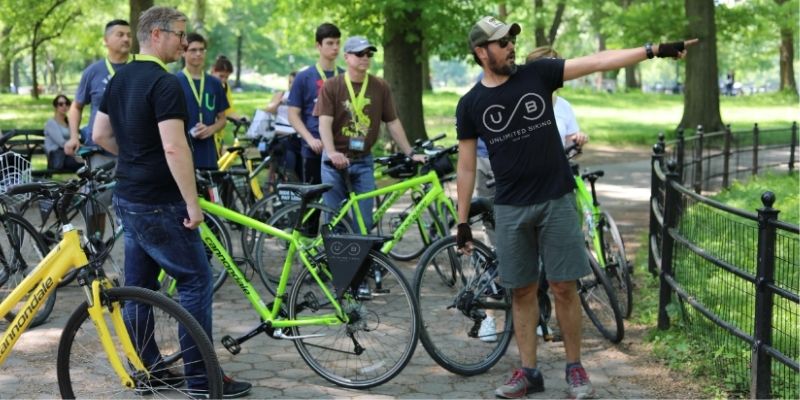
(539, 330)
(488, 330)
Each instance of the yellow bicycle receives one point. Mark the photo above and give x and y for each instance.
(122, 341)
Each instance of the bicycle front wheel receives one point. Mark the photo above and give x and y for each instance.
(616, 263)
(169, 340)
(377, 342)
(457, 293)
(21, 250)
(600, 303)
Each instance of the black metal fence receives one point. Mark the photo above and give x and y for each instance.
(739, 272)
(709, 161)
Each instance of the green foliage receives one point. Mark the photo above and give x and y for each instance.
(746, 195)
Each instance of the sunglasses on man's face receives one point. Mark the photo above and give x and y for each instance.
(363, 53)
(504, 41)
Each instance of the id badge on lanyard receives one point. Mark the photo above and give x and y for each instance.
(358, 143)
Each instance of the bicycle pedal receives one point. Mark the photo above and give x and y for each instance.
(231, 344)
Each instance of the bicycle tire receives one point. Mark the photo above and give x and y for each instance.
(269, 251)
(21, 250)
(616, 263)
(388, 331)
(83, 371)
(600, 303)
(452, 314)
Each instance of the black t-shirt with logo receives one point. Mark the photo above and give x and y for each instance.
(139, 97)
(517, 123)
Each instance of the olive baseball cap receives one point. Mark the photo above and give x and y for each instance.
(489, 29)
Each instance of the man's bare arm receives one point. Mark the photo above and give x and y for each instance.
(74, 121)
(181, 165)
(103, 134)
(608, 60)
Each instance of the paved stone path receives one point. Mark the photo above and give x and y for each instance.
(277, 370)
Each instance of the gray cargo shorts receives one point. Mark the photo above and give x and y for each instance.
(550, 232)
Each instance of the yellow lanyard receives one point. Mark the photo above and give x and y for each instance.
(110, 67)
(359, 103)
(322, 73)
(145, 57)
(197, 95)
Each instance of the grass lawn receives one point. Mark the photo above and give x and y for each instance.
(619, 119)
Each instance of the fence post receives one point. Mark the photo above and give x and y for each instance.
(761, 362)
(655, 186)
(726, 156)
(672, 207)
(755, 148)
(794, 144)
(679, 150)
(697, 181)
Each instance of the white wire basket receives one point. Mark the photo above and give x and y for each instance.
(14, 169)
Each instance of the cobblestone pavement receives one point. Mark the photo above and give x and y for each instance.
(277, 370)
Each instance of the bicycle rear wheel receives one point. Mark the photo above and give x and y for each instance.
(21, 250)
(452, 310)
(378, 341)
(600, 303)
(616, 263)
(269, 252)
(154, 322)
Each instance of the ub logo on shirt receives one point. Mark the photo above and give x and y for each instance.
(531, 106)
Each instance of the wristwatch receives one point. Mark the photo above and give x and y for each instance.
(648, 48)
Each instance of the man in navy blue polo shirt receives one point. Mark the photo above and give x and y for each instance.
(303, 97)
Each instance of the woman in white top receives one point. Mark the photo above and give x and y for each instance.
(565, 118)
(56, 133)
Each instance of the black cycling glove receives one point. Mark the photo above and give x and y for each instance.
(464, 235)
(670, 49)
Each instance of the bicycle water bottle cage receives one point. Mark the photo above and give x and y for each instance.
(347, 258)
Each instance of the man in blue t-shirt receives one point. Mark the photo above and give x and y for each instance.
(141, 119)
(206, 102)
(303, 98)
(511, 110)
(117, 39)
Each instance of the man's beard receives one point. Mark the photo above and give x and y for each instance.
(501, 67)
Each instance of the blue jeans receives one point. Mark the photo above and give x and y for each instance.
(362, 178)
(156, 239)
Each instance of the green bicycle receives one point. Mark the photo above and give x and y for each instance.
(350, 340)
(432, 202)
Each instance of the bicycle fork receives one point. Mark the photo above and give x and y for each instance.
(98, 306)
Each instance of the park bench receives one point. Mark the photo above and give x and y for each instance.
(29, 143)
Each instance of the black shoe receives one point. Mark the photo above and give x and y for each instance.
(162, 380)
(231, 389)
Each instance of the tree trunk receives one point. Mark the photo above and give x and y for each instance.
(403, 69)
(137, 7)
(630, 78)
(5, 75)
(551, 37)
(427, 85)
(701, 96)
(502, 11)
(199, 17)
(601, 45)
(538, 23)
(788, 82)
(239, 40)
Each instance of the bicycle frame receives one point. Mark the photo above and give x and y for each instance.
(268, 315)
(42, 282)
(229, 158)
(589, 209)
(434, 195)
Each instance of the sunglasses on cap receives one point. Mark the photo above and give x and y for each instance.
(363, 53)
(503, 42)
